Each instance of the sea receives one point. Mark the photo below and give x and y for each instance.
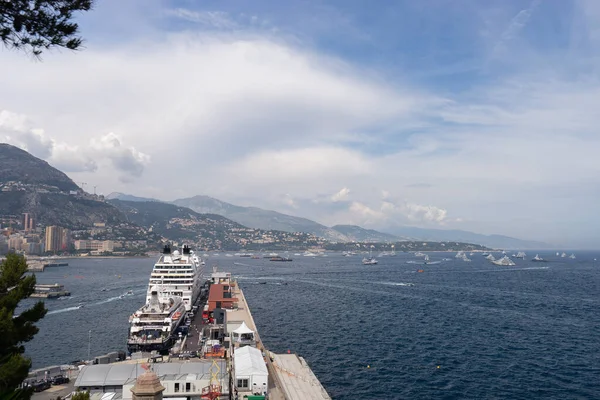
(395, 330)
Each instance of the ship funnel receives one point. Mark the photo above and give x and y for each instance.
(186, 249)
(167, 249)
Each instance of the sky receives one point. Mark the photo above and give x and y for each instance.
(446, 114)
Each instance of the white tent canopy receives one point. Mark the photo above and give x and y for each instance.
(250, 369)
(243, 329)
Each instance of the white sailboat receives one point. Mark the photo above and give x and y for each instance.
(504, 261)
(370, 260)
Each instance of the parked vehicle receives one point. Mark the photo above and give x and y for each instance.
(40, 386)
(59, 380)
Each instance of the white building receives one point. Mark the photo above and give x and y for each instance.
(186, 380)
(95, 245)
(251, 375)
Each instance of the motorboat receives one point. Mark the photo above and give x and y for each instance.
(504, 261)
(537, 258)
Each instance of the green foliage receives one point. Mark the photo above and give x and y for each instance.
(38, 25)
(81, 396)
(15, 286)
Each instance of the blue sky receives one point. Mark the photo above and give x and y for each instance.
(475, 115)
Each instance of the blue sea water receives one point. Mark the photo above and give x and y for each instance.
(455, 331)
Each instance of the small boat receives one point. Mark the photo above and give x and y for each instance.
(130, 292)
(521, 255)
(537, 258)
(572, 256)
(426, 261)
(563, 255)
(420, 270)
(369, 261)
(279, 258)
(104, 290)
(262, 283)
(80, 305)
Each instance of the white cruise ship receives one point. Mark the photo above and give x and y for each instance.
(154, 325)
(177, 274)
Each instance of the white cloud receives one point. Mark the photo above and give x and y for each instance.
(341, 195)
(214, 19)
(388, 213)
(127, 160)
(72, 159)
(16, 129)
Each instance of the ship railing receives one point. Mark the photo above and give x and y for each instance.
(142, 341)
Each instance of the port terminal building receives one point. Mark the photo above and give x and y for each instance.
(187, 380)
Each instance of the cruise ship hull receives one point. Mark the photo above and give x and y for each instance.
(162, 347)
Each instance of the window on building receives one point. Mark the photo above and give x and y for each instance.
(176, 387)
(242, 383)
(188, 386)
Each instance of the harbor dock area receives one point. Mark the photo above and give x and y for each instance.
(37, 264)
(218, 355)
(290, 377)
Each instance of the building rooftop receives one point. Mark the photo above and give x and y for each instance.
(122, 373)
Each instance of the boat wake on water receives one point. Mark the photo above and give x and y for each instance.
(62, 310)
(395, 283)
(510, 269)
(110, 299)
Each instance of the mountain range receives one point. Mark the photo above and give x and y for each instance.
(32, 185)
(17, 165)
(259, 218)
